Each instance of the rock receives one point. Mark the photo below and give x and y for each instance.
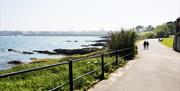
(85, 45)
(105, 40)
(105, 37)
(98, 44)
(45, 52)
(67, 41)
(33, 58)
(68, 51)
(75, 51)
(15, 62)
(75, 41)
(12, 50)
(25, 52)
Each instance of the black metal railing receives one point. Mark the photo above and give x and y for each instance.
(70, 66)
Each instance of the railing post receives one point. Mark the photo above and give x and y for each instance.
(70, 76)
(117, 58)
(102, 66)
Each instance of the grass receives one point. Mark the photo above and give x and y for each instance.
(45, 79)
(168, 42)
(49, 78)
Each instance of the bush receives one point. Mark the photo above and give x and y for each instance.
(123, 39)
(146, 35)
(140, 36)
(150, 35)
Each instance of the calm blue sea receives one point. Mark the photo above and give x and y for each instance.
(30, 43)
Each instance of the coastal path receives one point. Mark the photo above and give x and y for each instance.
(156, 69)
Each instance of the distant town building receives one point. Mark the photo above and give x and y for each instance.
(176, 45)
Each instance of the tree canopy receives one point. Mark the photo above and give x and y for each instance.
(162, 31)
(139, 28)
(149, 28)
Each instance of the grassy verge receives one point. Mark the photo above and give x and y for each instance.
(168, 42)
(49, 78)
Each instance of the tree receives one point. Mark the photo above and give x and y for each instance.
(162, 31)
(149, 28)
(172, 27)
(139, 28)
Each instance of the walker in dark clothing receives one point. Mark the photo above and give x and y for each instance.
(146, 45)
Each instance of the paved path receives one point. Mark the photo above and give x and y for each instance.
(156, 69)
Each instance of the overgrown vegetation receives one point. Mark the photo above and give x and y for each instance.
(123, 39)
(49, 78)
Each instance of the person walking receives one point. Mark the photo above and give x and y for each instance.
(145, 44)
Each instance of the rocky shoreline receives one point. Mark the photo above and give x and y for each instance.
(59, 51)
(90, 48)
(53, 52)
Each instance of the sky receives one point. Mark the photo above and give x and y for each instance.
(75, 15)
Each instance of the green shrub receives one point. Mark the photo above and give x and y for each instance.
(150, 35)
(123, 39)
(140, 36)
(146, 35)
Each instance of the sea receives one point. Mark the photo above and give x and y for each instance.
(30, 43)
